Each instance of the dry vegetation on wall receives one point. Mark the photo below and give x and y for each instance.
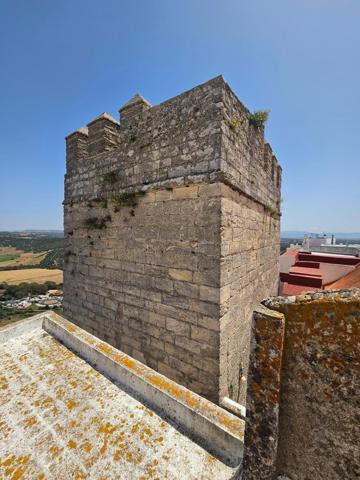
(118, 201)
(38, 275)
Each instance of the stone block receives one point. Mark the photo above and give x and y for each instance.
(182, 275)
(178, 327)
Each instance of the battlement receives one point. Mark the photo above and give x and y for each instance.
(202, 133)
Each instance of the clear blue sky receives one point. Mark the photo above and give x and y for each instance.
(64, 62)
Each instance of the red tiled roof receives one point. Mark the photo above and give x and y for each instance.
(305, 274)
(308, 271)
(289, 289)
(290, 253)
(338, 259)
(351, 279)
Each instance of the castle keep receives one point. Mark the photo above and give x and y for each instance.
(172, 234)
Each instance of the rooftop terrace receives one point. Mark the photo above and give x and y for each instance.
(72, 407)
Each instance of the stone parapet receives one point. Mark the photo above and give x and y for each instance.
(308, 375)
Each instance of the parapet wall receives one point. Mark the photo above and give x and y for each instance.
(172, 234)
(303, 388)
(202, 134)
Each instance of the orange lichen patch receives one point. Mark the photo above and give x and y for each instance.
(79, 475)
(55, 451)
(71, 404)
(18, 474)
(87, 446)
(30, 421)
(16, 466)
(175, 390)
(3, 383)
(8, 461)
(41, 476)
(135, 428)
(45, 402)
(107, 428)
(72, 444)
(118, 454)
(119, 438)
(71, 328)
(105, 348)
(104, 447)
(126, 361)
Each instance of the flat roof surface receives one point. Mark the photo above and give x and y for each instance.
(290, 289)
(306, 271)
(62, 419)
(350, 280)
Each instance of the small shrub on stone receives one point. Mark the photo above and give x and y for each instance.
(234, 124)
(102, 202)
(110, 177)
(270, 209)
(259, 118)
(95, 223)
(126, 199)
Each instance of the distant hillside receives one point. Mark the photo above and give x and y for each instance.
(20, 250)
(47, 233)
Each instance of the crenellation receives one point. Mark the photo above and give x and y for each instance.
(76, 148)
(104, 134)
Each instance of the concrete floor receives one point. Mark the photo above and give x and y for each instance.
(61, 419)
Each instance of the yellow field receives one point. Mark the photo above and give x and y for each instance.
(26, 258)
(31, 275)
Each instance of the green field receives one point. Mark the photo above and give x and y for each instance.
(9, 257)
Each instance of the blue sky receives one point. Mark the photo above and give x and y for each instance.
(62, 63)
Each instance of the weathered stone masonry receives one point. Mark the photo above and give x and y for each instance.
(171, 276)
(303, 404)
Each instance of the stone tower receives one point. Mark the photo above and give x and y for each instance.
(172, 234)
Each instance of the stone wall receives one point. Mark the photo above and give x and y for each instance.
(303, 390)
(168, 245)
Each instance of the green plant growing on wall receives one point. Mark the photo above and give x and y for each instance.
(270, 209)
(96, 223)
(231, 391)
(110, 178)
(259, 118)
(101, 201)
(234, 124)
(126, 199)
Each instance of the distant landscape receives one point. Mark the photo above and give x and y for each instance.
(289, 237)
(31, 263)
(343, 237)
